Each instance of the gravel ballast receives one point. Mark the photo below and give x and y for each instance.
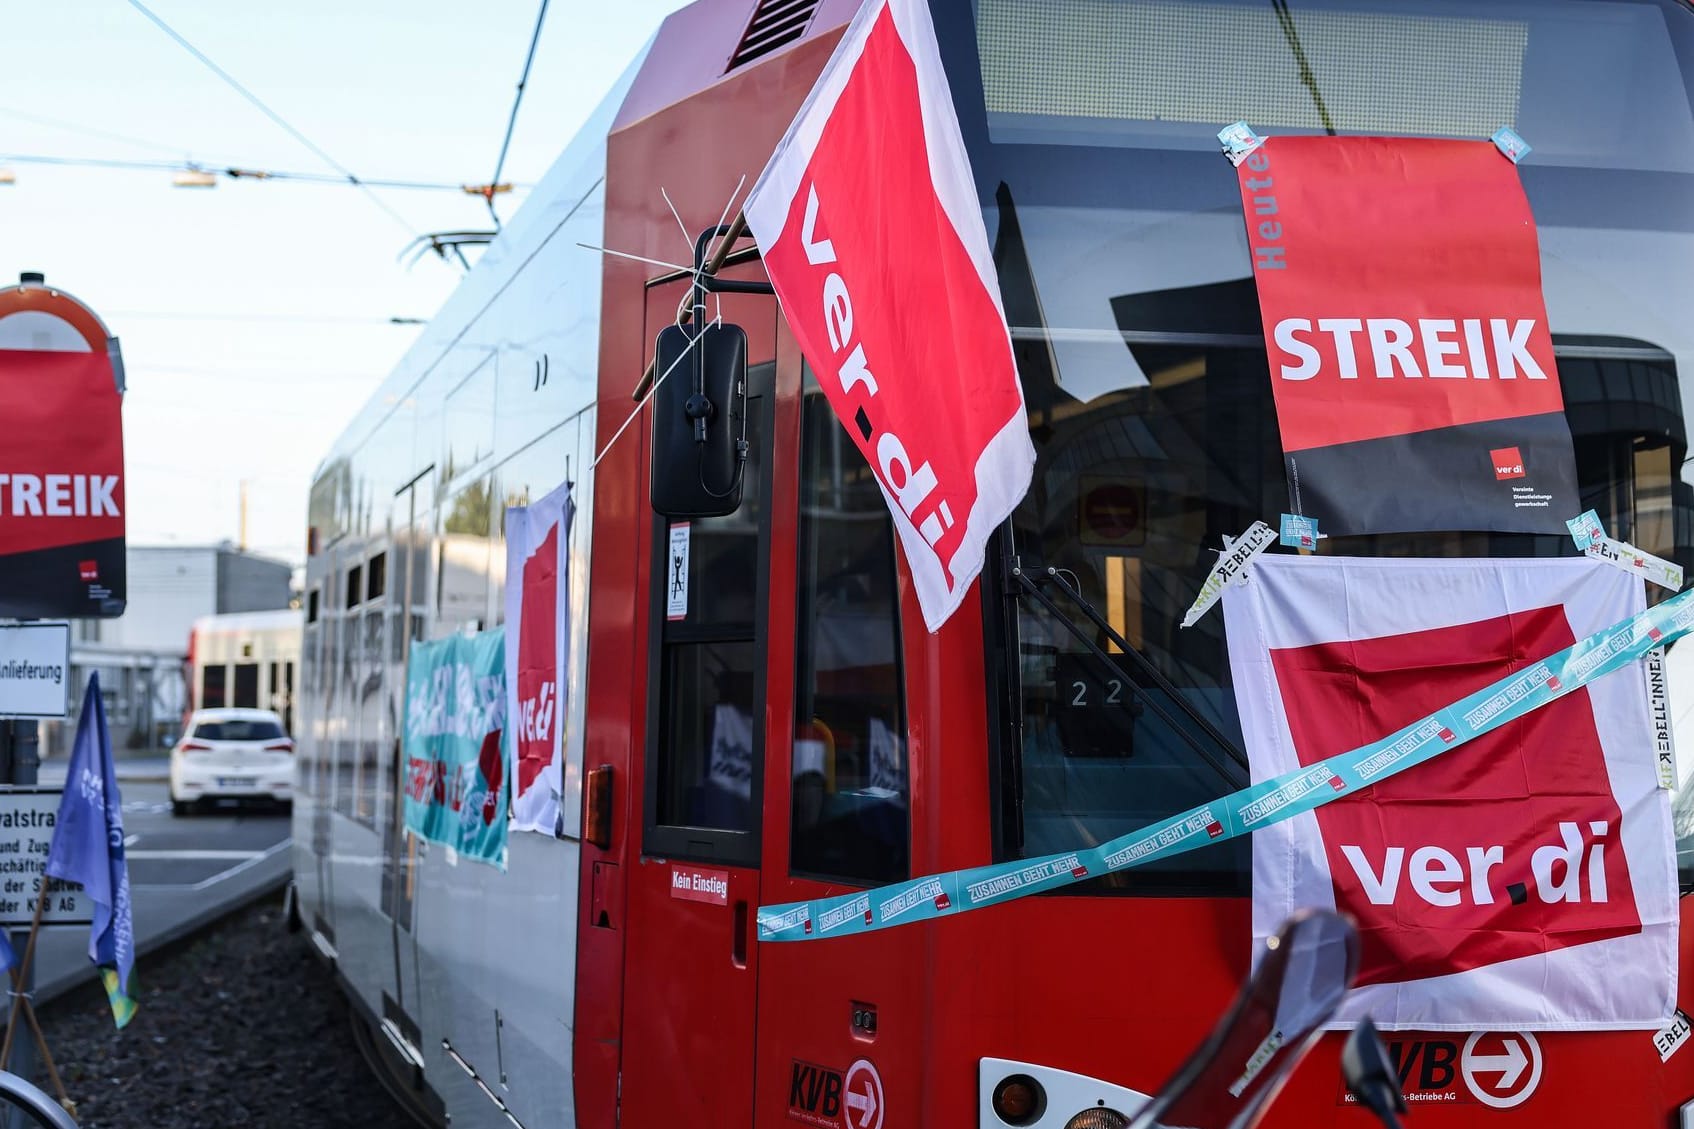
(241, 1025)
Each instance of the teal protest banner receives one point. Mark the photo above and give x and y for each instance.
(455, 770)
(1240, 813)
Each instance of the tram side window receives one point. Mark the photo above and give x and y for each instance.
(212, 687)
(376, 576)
(706, 764)
(850, 815)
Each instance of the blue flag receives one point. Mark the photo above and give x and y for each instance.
(88, 849)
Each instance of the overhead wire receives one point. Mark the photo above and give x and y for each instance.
(258, 316)
(275, 117)
(512, 121)
(235, 172)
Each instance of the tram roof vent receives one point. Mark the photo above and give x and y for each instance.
(775, 23)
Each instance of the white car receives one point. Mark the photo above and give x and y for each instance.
(232, 754)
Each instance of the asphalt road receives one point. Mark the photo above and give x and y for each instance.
(183, 871)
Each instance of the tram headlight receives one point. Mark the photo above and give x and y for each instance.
(1019, 1100)
(1099, 1117)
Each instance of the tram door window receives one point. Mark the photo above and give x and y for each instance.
(850, 788)
(706, 761)
(369, 672)
(346, 674)
(246, 686)
(408, 603)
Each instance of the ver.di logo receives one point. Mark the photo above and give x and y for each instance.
(1507, 462)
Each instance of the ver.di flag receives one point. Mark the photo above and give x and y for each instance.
(88, 849)
(456, 775)
(538, 642)
(1526, 881)
(1399, 282)
(870, 228)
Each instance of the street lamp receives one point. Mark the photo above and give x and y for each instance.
(194, 178)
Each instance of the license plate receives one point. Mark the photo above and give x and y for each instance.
(237, 781)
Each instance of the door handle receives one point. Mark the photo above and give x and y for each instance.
(738, 937)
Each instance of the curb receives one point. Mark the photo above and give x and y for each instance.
(178, 935)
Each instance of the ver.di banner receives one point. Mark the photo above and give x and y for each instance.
(1614, 652)
(1399, 282)
(870, 228)
(1528, 882)
(538, 631)
(455, 767)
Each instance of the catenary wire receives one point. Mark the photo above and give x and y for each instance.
(275, 117)
(237, 172)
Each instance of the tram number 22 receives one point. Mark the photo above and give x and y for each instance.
(1083, 686)
(1085, 692)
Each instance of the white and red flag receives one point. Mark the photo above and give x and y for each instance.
(1526, 881)
(871, 230)
(537, 656)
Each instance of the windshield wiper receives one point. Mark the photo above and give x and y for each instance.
(1234, 772)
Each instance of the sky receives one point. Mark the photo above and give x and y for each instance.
(255, 316)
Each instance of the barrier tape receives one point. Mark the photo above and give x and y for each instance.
(1231, 568)
(1590, 536)
(942, 895)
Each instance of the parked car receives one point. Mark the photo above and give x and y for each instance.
(231, 755)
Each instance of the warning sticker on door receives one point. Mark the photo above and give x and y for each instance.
(676, 574)
(693, 884)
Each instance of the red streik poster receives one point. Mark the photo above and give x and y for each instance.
(61, 486)
(1399, 281)
(871, 231)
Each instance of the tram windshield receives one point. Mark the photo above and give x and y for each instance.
(1118, 235)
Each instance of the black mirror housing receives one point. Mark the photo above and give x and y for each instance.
(699, 421)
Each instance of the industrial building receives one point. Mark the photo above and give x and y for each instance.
(142, 656)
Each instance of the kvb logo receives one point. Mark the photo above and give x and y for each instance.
(1508, 463)
(1479, 857)
(1499, 1069)
(831, 1099)
(814, 1094)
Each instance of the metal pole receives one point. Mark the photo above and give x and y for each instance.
(24, 1055)
(26, 752)
(23, 760)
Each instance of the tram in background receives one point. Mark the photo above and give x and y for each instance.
(576, 987)
(247, 660)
